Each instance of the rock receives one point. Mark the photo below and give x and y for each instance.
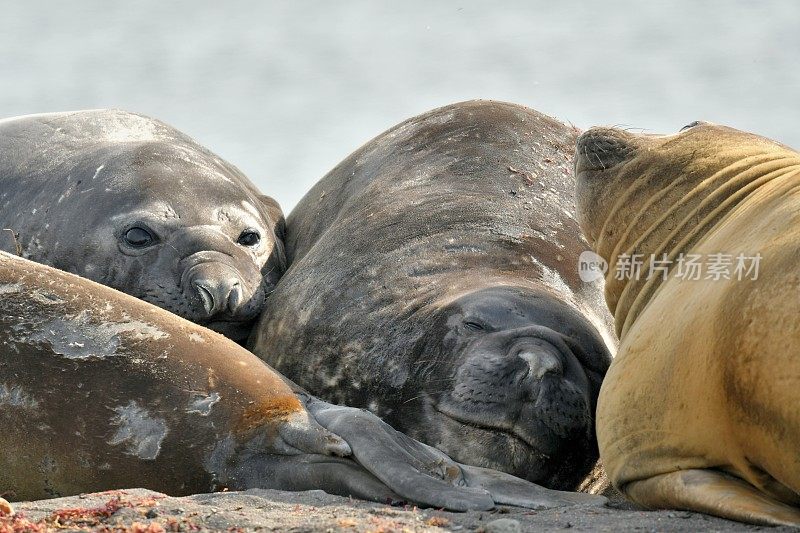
(503, 525)
(5, 508)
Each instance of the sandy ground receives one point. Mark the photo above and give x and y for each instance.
(140, 511)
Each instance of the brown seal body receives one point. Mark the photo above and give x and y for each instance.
(434, 281)
(132, 203)
(99, 390)
(699, 408)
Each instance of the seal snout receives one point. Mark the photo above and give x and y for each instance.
(219, 295)
(524, 381)
(217, 287)
(541, 359)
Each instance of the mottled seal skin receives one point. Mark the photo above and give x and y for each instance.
(134, 204)
(699, 409)
(99, 391)
(434, 281)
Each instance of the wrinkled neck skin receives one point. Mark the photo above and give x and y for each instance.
(657, 196)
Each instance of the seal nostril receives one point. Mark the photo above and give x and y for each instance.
(206, 295)
(541, 361)
(235, 296)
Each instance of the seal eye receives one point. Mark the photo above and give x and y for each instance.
(692, 125)
(138, 237)
(473, 326)
(249, 237)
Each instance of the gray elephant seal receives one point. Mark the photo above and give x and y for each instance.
(699, 409)
(434, 281)
(100, 391)
(134, 204)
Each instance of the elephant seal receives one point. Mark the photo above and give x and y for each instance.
(699, 408)
(433, 280)
(129, 202)
(99, 391)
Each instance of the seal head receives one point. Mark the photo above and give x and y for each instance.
(133, 204)
(523, 371)
(653, 197)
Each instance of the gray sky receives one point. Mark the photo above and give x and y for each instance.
(286, 89)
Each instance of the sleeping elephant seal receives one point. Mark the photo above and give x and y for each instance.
(699, 409)
(434, 281)
(134, 204)
(100, 391)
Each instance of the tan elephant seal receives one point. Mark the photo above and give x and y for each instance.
(699, 409)
(100, 390)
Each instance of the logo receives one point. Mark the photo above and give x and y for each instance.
(591, 267)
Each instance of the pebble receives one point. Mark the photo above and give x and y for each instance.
(5, 508)
(503, 525)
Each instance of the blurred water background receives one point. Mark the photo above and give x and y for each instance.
(286, 89)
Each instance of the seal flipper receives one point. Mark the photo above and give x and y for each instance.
(711, 492)
(334, 475)
(426, 475)
(509, 490)
(411, 469)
